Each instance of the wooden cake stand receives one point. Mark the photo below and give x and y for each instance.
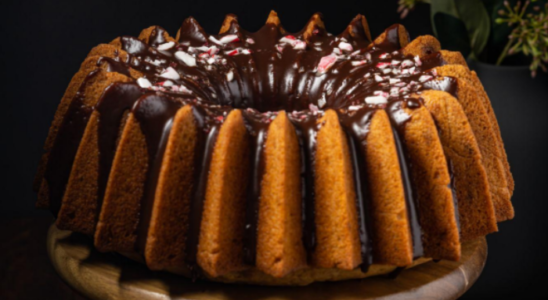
(112, 276)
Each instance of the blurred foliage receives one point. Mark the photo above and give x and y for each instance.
(492, 31)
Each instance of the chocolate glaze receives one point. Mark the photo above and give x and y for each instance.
(357, 125)
(154, 114)
(208, 131)
(453, 191)
(395, 111)
(65, 147)
(117, 100)
(114, 65)
(307, 126)
(265, 75)
(257, 125)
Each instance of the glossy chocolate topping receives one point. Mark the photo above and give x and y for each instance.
(305, 74)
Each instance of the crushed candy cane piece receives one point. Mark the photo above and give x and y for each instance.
(170, 73)
(229, 75)
(381, 93)
(424, 78)
(375, 100)
(407, 63)
(144, 83)
(326, 63)
(229, 39)
(232, 53)
(166, 46)
(346, 46)
(313, 107)
(418, 60)
(299, 45)
(188, 59)
(382, 65)
(167, 83)
(216, 41)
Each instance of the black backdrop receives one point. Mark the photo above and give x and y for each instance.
(42, 45)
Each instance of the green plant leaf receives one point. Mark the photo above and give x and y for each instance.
(477, 22)
(473, 15)
(452, 33)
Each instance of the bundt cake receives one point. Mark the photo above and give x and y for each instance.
(274, 157)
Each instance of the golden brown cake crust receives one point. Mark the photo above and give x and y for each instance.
(431, 181)
(476, 212)
(79, 207)
(391, 232)
(168, 231)
(336, 218)
(280, 250)
(220, 247)
(491, 149)
(119, 216)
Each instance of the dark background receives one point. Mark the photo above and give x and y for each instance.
(42, 45)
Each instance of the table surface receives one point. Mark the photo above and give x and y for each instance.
(25, 269)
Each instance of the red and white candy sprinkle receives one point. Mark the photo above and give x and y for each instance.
(166, 83)
(230, 38)
(376, 100)
(166, 46)
(382, 65)
(326, 63)
(424, 78)
(299, 45)
(384, 56)
(232, 52)
(170, 73)
(407, 63)
(417, 60)
(346, 46)
(229, 75)
(216, 41)
(188, 59)
(144, 83)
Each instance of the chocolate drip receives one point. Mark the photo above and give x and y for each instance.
(453, 191)
(66, 145)
(257, 126)
(396, 114)
(115, 102)
(307, 128)
(155, 115)
(356, 125)
(208, 131)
